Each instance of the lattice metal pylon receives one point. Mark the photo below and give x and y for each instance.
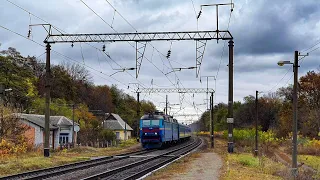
(175, 90)
(181, 98)
(140, 49)
(200, 48)
(146, 36)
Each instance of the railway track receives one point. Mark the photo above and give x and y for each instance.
(58, 170)
(138, 169)
(122, 166)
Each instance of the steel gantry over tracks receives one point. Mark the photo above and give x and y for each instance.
(175, 90)
(144, 36)
(141, 39)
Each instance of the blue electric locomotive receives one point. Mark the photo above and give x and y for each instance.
(157, 129)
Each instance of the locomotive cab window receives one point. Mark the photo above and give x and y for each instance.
(146, 123)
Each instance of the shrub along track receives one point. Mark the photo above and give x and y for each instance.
(118, 163)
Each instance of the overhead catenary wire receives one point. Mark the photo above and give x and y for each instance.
(117, 32)
(70, 59)
(137, 31)
(60, 31)
(301, 61)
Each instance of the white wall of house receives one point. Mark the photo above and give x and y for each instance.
(38, 136)
(38, 133)
(56, 139)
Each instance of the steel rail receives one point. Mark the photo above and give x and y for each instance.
(158, 165)
(57, 170)
(134, 164)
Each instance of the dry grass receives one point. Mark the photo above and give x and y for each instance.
(243, 165)
(34, 160)
(313, 162)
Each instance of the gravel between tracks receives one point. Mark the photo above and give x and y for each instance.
(109, 166)
(94, 170)
(131, 171)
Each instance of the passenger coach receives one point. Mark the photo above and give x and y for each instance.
(157, 129)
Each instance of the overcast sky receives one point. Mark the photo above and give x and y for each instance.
(264, 32)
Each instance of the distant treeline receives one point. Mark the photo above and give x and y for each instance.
(70, 84)
(275, 110)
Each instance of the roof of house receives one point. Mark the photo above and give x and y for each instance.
(115, 122)
(55, 121)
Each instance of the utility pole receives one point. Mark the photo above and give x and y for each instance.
(212, 121)
(78, 138)
(207, 92)
(295, 121)
(295, 111)
(138, 114)
(73, 139)
(166, 105)
(46, 148)
(230, 99)
(2, 106)
(256, 137)
(125, 130)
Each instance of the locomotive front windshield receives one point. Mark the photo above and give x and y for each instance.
(147, 123)
(151, 120)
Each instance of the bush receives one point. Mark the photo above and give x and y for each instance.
(308, 146)
(246, 137)
(7, 147)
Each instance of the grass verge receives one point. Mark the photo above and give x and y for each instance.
(313, 162)
(242, 165)
(14, 164)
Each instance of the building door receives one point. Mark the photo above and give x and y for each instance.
(64, 138)
(118, 135)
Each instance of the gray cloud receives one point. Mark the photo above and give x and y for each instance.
(264, 33)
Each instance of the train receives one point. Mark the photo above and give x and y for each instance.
(158, 130)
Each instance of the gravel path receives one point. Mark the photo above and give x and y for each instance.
(206, 167)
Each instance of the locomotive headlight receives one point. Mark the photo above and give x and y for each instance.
(155, 133)
(145, 133)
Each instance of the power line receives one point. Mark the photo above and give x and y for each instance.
(224, 45)
(60, 30)
(128, 42)
(195, 13)
(280, 80)
(68, 58)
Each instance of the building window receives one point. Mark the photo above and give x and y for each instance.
(63, 138)
(118, 135)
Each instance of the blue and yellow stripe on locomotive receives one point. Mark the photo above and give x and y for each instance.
(157, 129)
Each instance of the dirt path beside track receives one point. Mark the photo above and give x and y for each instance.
(200, 165)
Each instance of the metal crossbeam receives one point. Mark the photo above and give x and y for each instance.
(200, 48)
(140, 49)
(186, 115)
(145, 36)
(175, 90)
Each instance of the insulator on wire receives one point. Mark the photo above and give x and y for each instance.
(104, 48)
(29, 33)
(199, 14)
(168, 54)
(72, 45)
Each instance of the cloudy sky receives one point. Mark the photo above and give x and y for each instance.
(264, 32)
